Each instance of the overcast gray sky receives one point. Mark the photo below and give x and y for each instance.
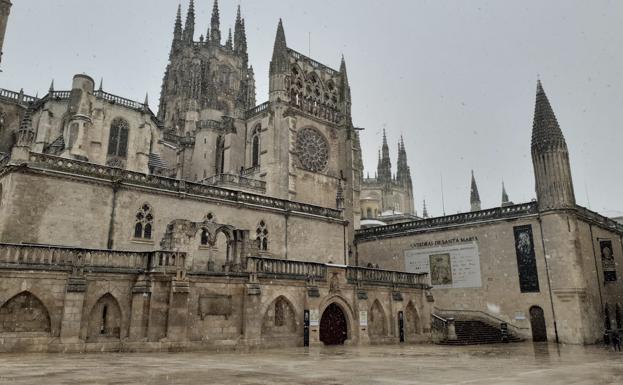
(456, 78)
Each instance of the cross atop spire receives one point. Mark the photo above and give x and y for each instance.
(474, 198)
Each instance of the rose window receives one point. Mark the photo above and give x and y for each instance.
(313, 149)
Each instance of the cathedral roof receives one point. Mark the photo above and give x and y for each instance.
(546, 133)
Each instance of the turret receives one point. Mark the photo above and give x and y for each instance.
(25, 136)
(550, 158)
(215, 24)
(279, 67)
(189, 27)
(79, 119)
(474, 197)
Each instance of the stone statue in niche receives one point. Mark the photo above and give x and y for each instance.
(334, 284)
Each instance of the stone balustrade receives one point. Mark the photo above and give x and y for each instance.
(66, 258)
(449, 220)
(51, 162)
(256, 110)
(236, 181)
(384, 277)
(289, 268)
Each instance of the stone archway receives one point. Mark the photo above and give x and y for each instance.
(377, 321)
(537, 323)
(333, 325)
(24, 313)
(105, 319)
(412, 320)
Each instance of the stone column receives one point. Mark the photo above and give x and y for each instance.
(141, 294)
(252, 319)
(72, 309)
(177, 323)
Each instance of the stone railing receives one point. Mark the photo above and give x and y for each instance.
(385, 277)
(18, 97)
(256, 110)
(286, 268)
(469, 315)
(312, 62)
(438, 327)
(599, 219)
(59, 95)
(78, 167)
(69, 258)
(250, 170)
(463, 218)
(236, 181)
(114, 99)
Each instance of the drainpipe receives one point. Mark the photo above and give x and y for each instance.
(549, 281)
(287, 214)
(601, 300)
(111, 225)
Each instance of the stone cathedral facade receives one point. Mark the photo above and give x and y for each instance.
(212, 222)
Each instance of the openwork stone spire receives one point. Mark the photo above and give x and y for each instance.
(189, 27)
(550, 157)
(385, 169)
(505, 200)
(424, 210)
(215, 24)
(474, 197)
(26, 134)
(177, 30)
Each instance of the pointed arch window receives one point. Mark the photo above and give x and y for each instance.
(118, 138)
(205, 239)
(255, 146)
(261, 236)
(281, 307)
(144, 221)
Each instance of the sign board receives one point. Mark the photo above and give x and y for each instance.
(449, 267)
(313, 317)
(363, 318)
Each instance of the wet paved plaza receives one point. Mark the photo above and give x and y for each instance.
(523, 363)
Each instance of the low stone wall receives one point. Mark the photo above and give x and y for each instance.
(81, 300)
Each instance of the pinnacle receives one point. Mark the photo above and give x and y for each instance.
(546, 133)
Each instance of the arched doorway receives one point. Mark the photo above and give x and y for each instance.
(537, 323)
(333, 327)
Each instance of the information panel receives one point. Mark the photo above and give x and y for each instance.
(448, 267)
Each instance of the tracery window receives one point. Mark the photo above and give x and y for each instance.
(261, 236)
(118, 138)
(255, 146)
(312, 149)
(144, 222)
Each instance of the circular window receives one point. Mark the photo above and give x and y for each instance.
(312, 149)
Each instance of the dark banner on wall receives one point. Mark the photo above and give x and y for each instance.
(526, 259)
(607, 261)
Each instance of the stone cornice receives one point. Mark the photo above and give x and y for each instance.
(94, 173)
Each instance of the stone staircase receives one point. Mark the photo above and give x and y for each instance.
(476, 332)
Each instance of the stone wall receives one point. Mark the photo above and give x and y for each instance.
(570, 277)
(60, 299)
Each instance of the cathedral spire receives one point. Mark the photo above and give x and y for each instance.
(215, 24)
(279, 62)
(238, 31)
(550, 157)
(229, 43)
(177, 29)
(189, 27)
(474, 198)
(345, 90)
(51, 87)
(386, 165)
(424, 210)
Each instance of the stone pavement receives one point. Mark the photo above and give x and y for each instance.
(523, 363)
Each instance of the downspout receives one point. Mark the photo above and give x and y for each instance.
(111, 224)
(601, 300)
(287, 214)
(549, 281)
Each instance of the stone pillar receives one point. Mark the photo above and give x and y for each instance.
(252, 319)
(362, 316)
(73, 309)
(177, 323)
(141, 294)
(312, 303)
(451, 330)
